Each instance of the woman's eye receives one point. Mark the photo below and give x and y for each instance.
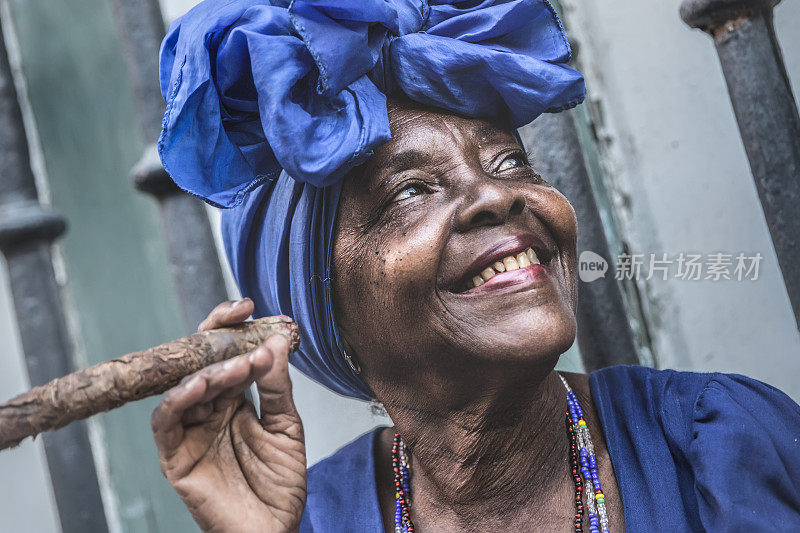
(510, 162)
(408, 192)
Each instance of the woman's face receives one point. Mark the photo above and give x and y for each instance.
(434, 236)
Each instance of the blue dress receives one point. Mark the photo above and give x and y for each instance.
(691, 452)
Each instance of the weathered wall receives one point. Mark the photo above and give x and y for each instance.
(678, 175)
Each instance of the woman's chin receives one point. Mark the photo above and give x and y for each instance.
(537, 337)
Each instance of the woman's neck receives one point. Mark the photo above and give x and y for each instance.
(491, 456)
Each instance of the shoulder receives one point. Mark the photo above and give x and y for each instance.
(745, 454)
(356, 455)
(647, 385)
(691, 407)
(342, 492)
(681, 401)
(732, 442)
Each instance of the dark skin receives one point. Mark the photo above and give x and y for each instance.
(467, 374)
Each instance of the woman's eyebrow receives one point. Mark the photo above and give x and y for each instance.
(486, 132)
(403, 160)
(411, 158)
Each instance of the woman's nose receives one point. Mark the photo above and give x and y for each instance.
(488, 202)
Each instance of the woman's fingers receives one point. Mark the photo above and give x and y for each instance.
(278, 412)
(196, 399)
(227, 313)
(197, 414)
(229, 379)
(166, 418)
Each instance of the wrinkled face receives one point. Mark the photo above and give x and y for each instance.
(452, 256)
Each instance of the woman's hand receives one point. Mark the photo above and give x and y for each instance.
(234, 471)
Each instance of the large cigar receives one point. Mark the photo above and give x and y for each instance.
(108, 385)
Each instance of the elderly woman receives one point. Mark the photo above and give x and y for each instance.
(378, 194)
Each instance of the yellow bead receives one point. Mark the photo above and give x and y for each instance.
(581, 422)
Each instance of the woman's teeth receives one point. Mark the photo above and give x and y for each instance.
(521, 260)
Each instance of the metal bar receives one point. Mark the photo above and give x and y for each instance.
(26, 231)
(605, 336)
(765, 109)
(191, 248)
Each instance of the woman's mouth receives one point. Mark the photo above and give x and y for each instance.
(512, 274)
(508, 264)
(512, 264)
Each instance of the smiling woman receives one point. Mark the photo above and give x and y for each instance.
(430, 268)
(469, 210)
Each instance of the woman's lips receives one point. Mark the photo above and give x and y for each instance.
(511, 281)
(506, 264)
(506, 256)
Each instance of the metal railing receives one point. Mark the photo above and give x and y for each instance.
(748, 50)
(191, 248)
(27, 230)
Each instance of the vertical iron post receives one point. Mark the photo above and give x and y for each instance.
(27, 230)
(191, 248)
(605, 336)
(765, 109)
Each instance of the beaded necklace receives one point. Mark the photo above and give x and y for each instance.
(583, 465)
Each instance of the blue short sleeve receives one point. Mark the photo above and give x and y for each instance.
(343, 492)
(700, 452)
(745, 454)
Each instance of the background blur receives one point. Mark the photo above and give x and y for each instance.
(668, 172)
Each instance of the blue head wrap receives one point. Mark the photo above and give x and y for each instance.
(269, 104)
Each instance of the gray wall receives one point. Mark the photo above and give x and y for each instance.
(679, 178)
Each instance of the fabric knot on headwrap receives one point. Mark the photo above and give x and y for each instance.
(280, 99)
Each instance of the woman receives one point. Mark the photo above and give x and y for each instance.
(430, 268)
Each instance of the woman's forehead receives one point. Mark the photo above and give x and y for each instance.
(407, 117)
(420, 132)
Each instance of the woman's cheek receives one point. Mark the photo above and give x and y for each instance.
(409, 262)
(566, 222)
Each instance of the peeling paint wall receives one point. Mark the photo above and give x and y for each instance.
(676, 173)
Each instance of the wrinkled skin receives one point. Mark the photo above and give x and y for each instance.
(465, 373)
(425, 206)
(234, 470)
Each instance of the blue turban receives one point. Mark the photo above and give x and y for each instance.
(269, 104)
